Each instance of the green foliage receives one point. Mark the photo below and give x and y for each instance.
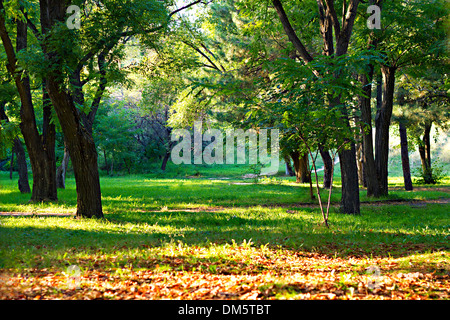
(114, 134)
(432, 175)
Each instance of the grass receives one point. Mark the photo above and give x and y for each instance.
(181, 227)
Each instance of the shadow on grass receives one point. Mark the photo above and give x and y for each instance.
(47, 239)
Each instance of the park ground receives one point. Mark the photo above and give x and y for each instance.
(205, 234)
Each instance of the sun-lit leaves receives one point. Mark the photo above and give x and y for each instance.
(245, 272)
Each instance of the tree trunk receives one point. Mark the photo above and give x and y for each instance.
(382, 123)
(405, 157)
(360, 164)
(350, 202)
(302, 173)
(350, 189)
(370, 170)
(165, 160)
(62, 169)
(80, 143)
(427, 143)
(289, 171)
(327, 167)
(24, 185)
(82, 152)
(425, 153)
(11, 164)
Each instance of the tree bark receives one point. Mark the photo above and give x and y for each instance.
(425, 153)
(289, 171)
(328, 167)
(350, 202)
(24, 185)
(360, 164)
(370, 170)
(405, 157)
(82, 152)
(382, 123)
(11, 165)
(301, 167)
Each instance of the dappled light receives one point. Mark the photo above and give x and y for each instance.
(224, 150)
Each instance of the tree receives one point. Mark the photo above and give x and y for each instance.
(336, 47)
(423, 98)
(40, 148)
(413, 35)
(67, 55)
(17, 148)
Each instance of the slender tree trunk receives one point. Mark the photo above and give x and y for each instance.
(425, 153)
(405, 157)
(106, 160)
(18, 149)
(382, 123)
(165, 160)
(427, 142)
(169, 148)
(327, 16)
(360, 163)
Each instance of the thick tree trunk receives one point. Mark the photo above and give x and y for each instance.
(382, 123)
(82, 152)
(327, 167)
(405, 157)
(301, 167)
(350, 202)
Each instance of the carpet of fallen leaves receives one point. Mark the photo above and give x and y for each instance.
(254, 274)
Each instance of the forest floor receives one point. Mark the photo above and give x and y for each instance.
(203, 239)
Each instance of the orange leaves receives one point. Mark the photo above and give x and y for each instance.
(242, 273)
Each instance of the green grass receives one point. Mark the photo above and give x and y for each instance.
(142, 212)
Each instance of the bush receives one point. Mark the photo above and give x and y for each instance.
(431, 175)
